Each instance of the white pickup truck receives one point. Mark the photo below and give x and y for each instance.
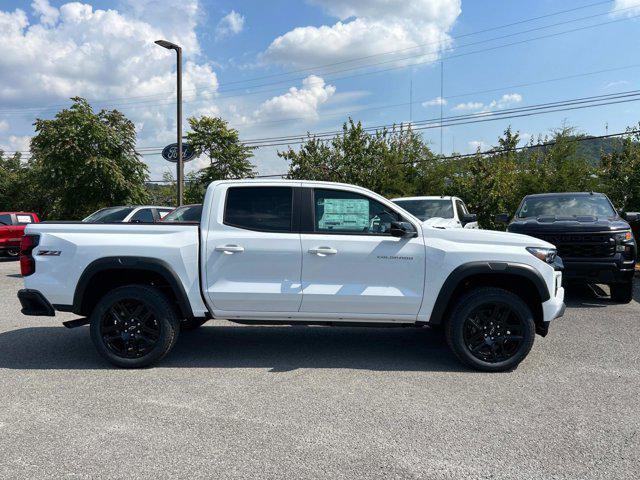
(439, 212)
(293, 252)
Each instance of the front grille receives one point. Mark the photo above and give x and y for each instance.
(581, 245)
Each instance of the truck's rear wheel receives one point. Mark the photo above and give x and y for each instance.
(134, 326)
(490, 329)
(622, 292)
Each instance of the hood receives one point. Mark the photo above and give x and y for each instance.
(580, 224)
(439, 222)
(491, 237)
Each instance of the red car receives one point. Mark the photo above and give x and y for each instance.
(12, 229)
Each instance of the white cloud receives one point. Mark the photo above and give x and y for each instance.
(297, 102)
(618, 83)
(76, 50)
(505, 101)
(13, 143)
(230, 24)
(368, 27)
(476, 145)
(435, 102)
(627, 8)
(469, 106)
(4, 125)
(48, 14)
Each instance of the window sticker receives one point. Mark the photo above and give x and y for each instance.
(24, 218)
(345, 214)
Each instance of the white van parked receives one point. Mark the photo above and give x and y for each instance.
(439, 212)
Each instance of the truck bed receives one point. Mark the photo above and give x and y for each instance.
(81, 244)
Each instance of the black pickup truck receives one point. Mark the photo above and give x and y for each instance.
(594, 241)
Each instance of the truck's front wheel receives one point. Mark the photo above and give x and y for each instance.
(134, 326)
(490, 329)
(622, 292)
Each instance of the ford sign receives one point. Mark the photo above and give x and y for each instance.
(170, 153)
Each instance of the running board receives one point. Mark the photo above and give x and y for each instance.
(79, 322)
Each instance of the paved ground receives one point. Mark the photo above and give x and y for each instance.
(296, 402)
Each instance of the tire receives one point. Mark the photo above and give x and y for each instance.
(490, 329)
(134, 326)
(622, 292)
(192, 323)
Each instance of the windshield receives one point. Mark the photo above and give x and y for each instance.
(566, 206)
(189, 213)
(109, 215)
(427, 208)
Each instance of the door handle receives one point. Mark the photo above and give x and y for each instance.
(321, 251)
(230, 248)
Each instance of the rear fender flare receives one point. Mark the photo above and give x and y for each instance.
(131, 263)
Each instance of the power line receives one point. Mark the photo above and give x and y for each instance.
(430, 123)
(484, 153)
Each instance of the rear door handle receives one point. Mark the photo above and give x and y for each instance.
(230, 248)
(321, 251)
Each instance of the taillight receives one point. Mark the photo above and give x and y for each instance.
(27, 263)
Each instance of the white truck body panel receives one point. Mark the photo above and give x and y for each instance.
(248, 274)
(82, 243)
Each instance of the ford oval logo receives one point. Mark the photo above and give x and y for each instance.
(170, 153)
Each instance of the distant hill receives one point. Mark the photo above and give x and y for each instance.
(593, 148)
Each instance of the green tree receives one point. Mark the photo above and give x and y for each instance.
(228, 156)
(620, 173)
(387, 161)
(85, 161)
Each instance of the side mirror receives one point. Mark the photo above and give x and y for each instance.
(503, 218)
(468, 218)
(402, 230)
(632, 217)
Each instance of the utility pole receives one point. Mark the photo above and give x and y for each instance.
(411, 100)
(179, 163)
(441, 99)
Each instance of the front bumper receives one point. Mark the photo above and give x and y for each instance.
(34, 304)
(606, 271)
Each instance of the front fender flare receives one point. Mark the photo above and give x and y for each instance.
(466, 270)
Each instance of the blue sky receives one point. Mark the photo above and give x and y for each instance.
(263, 65)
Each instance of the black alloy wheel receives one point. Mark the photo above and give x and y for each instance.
(493, 332)
(129, 329)
(490, 329)
(134, 326)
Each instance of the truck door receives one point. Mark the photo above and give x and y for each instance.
(253, 256)
(351, 263)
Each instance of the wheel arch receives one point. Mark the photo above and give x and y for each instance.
(105, 274)
(518, 278)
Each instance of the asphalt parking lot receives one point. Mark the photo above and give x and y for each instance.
(313, 402)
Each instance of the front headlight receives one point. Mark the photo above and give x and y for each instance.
(623, 237)
(547, 255)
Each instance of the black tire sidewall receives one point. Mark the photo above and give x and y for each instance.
(466, 304)
(159, 305)
(622, 292)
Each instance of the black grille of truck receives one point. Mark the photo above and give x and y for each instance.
(581, 245)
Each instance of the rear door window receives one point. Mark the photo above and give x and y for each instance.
(266, 209)
(5, 219)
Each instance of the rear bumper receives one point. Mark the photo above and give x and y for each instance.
(34, 304)
(598, 271)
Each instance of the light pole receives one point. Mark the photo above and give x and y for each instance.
(179, 164)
